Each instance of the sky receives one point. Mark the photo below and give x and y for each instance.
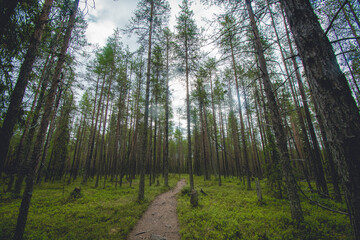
(110, 14)
(106, 15)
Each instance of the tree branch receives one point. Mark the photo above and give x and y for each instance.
(322, 206)
(343, 39)
(336, 14)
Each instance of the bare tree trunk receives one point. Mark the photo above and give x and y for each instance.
(146, 113)
(34, 162)
(278, 127)
(17, 95)
(166, 152)
(102, 160)
(93, 131)
(189, 154)
(242, 125)
(223, 141)
(215, 131)
(204, 139)
(311, 156)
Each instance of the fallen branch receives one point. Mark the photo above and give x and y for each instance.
(322, 206)
(203, 192)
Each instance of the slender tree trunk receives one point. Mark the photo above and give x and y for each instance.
(189, 153)
(154, 153)
(49, 135)
(242, 125)
(311, 156)
(277, 124)
(146, 113)
(225, 159)
(204, 138)
(333, 170)
(166, 152)
(25, 204)
(25, 147)
(93, 131)
(333, 99)
(215, 131)
(76, 149)
(234, 133)
(17, 95)
(102, 160)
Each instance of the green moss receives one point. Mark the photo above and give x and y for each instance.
(98, 214)
(232, 212)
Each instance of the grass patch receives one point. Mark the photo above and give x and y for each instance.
(232, 212)
(97, 214)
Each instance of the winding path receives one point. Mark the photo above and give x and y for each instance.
(160, 221)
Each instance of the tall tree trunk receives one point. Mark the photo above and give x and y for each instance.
(154, 153)
(333, 99)
(277, 124)
(215, 130)
(77, 146)
(166, 152)
(223, 141)
(102, 160)
(146, 113)
(242, 125)
(204, 139)
(93, 130)
(189, 153)
(17, 95)
(311, 156)
(34, 162)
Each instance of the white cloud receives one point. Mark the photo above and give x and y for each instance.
(99, 31)
(106, 16)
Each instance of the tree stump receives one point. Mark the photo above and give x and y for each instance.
(76, 193)
(194, 198)
(258, 191)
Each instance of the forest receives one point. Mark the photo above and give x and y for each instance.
(266, 133)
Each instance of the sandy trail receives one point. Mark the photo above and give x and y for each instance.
(160, 221)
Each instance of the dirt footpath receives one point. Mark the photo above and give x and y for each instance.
(160, 221)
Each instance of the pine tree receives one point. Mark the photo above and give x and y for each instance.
(187, 48)
(17, 95)
(34, 161)
(151, 15)
(277, 123)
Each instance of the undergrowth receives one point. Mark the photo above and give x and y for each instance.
(232, 212)
(97, 213)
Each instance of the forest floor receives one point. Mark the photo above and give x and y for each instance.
(105, 212)
(160, 220)
(229, 211)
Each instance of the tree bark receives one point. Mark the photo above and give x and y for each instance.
(17, 95)
(146, 113)
(34, 162)
(333, 99)
(242, 125)
(277, 124)
(189, 153)
(215, 131)
(166, 152)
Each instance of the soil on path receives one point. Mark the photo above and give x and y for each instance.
(160, 221)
